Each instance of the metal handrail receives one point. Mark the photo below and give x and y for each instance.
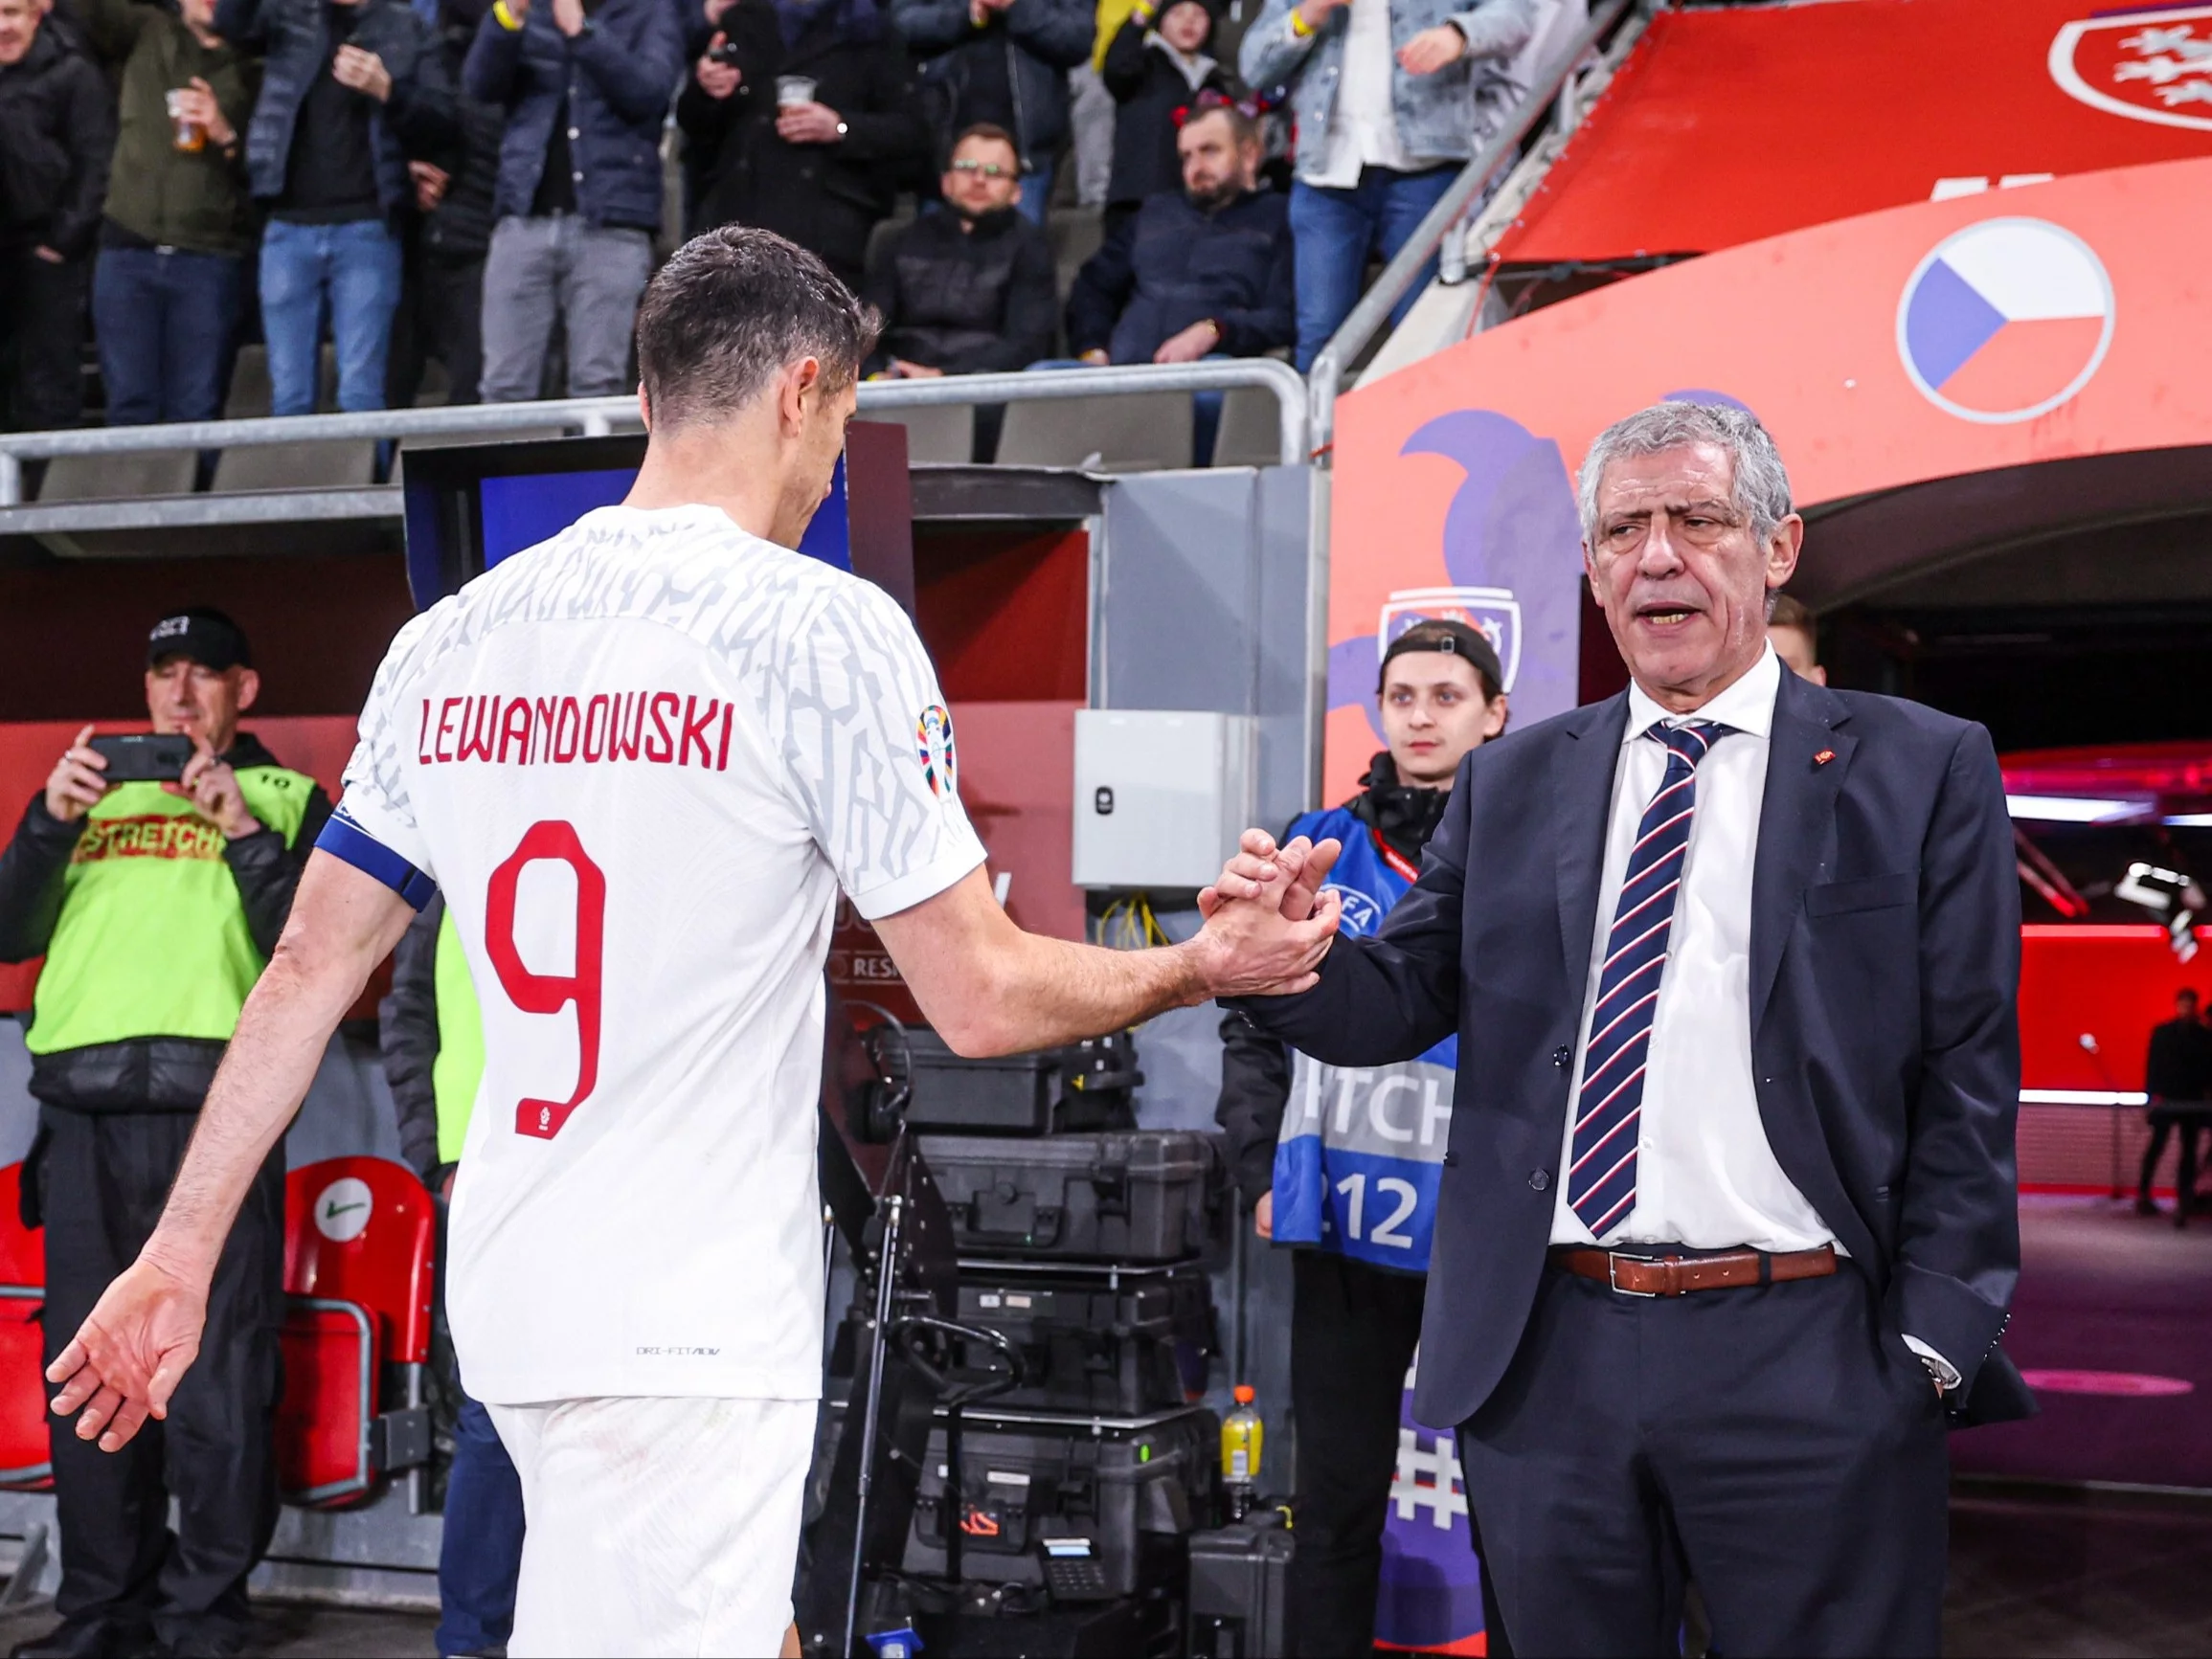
(599, 416)
(1398, 276)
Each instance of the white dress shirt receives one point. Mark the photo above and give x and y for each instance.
(1364, 122)
(1704, 1174)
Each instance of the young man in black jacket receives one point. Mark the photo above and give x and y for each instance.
(351, 89)
(56, 134)
(156, 907)
(969, 290)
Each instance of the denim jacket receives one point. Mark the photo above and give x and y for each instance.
(1441, 117)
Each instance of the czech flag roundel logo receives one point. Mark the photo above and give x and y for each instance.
(2005, 320)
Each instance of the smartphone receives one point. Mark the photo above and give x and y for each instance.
(728, 52)
(144, 757)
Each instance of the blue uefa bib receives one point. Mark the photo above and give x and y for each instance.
(1361, 1148)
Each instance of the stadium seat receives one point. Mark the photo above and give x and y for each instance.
(1143, 432)
(23, 1448)
(940, 435)
(348, 464)
(1250, 431)
(143, 472)
(358, 1243)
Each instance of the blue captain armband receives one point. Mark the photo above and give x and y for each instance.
(344, 839)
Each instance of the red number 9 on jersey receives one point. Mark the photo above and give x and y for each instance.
(555, 842)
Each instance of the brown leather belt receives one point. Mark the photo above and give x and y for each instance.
(1679, 1275)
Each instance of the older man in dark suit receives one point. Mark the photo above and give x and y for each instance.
(1728, 1221)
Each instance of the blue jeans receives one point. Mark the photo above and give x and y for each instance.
(481, 1558)
(167, 320)
(1036, 190)
(1336, 231)
(356, 267)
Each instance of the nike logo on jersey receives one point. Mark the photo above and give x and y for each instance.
(658, 727)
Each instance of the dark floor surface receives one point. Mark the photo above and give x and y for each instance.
(2103, 1289)
(2036, 1569)
(2034, 1575)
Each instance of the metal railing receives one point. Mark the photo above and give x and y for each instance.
(1399, 276)
(596, 416)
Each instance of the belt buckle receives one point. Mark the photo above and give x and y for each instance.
(1612, 1278)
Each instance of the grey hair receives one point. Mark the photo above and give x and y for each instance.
(1762, 483)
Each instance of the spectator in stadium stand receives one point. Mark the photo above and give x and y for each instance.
(1003, 63)
(969, 290)
(1356, 1301)
(586, 85)
(56, 134)
(156, 906)
(170, 283)
(348, 89)
(445, 235)
(2178, 1078)
(1797, 639)
(822, 168)
(432, 1030)
(1156, 68)
(1200, 272)
(1391, 98)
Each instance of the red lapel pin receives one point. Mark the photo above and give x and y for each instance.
(1824, 757)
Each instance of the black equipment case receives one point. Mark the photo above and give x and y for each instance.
(1085, 1086)
(1117, 1341)
(1123, 1195)
(1239, 1590)
(1113, 1498)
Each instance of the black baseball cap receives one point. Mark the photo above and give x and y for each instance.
(205, 635)
(1454, 639)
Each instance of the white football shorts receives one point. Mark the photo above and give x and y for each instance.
(658, 1526)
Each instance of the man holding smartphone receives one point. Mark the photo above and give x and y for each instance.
(156, 901)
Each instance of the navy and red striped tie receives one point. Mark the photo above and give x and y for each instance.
(1601, 1181)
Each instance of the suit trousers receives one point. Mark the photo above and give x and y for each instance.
(104, 1178)
(1780, 1444)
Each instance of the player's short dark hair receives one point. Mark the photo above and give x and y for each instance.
(730, 309)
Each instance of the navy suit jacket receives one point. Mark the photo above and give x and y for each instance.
(1885, 1042)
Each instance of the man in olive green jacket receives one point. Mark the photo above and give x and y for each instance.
(156, 907)
(170, 282)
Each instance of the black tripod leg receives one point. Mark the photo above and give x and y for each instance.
(955, 1498)
(879, 1332)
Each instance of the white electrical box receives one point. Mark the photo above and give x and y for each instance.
(1161, 796)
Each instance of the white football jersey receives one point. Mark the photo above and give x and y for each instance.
(640, 759)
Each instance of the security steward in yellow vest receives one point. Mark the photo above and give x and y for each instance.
(156, 907)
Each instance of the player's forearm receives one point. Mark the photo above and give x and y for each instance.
(1050, 992)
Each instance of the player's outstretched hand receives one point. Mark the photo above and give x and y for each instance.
(128, 1357)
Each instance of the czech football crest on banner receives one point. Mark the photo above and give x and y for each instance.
(1493, 613)
(2153, 64)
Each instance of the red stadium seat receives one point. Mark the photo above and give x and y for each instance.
(359, 1236)
(24, 1465)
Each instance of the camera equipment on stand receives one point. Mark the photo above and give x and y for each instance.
(1085, 1086)
(879, 1196)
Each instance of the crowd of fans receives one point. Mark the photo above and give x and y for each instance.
(482, 186)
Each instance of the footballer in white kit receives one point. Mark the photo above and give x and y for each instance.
(639, 760)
